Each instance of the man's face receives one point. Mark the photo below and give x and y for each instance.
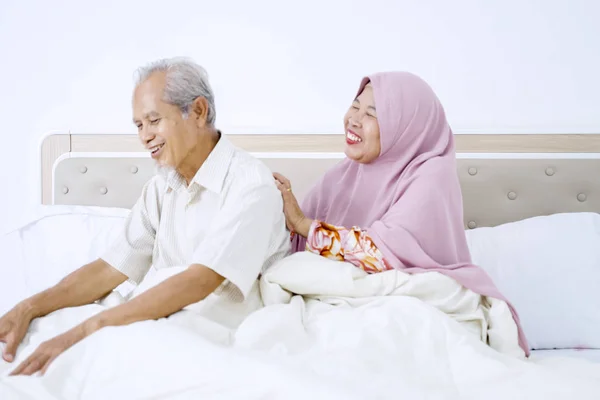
(168, 136)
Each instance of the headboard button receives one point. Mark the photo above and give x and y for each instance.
(549, 171)
(472, 171)
(83, 169)
(134, 169)
(472, 225)
(581, 197)
(512, 195)
(103, 190)
(65, 190)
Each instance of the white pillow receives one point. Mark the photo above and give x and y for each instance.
(54, 242)
(549, 269)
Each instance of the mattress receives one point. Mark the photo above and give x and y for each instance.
(585, 354)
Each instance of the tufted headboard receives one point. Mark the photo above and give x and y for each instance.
(504, 178)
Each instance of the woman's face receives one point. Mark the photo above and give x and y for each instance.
(362, 130)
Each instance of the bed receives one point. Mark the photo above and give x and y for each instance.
(531, 205)
(504, 178)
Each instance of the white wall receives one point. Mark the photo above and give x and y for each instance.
(281, 66)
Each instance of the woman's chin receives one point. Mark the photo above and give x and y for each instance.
(352, 153)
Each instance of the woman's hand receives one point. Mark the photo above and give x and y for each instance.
(13, 327)
(295, 219)
(46, 352)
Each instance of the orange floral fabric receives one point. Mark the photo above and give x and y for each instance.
(342, 244)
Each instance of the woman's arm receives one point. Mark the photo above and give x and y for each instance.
(334, 242)
(351, 245)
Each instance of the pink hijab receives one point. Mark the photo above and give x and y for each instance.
(409, 199)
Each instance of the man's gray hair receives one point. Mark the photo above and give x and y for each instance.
(186, 81)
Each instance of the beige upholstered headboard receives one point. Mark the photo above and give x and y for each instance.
(504, 178)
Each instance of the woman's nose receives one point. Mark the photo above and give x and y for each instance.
(354, 122)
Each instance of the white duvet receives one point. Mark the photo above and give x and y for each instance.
(328, 331)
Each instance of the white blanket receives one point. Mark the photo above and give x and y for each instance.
(341, 335)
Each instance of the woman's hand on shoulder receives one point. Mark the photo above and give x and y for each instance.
(295, 219)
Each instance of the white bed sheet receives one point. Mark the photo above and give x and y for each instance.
(592, 355)
(345, 336)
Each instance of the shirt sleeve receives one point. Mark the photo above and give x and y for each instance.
(240, 237)
(342, 244)
(132, 248)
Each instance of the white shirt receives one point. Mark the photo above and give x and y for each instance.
(229, 219)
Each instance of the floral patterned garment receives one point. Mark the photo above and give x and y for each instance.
(342, 244)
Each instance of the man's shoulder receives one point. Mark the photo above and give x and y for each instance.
(247, 171)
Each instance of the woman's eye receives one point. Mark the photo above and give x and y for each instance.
(154, 121)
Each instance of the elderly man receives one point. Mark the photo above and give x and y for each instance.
(211, 208)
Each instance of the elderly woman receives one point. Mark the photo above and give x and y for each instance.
(395, 201)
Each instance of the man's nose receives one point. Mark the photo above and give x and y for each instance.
(145, 135)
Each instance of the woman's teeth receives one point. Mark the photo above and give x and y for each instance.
(353, 137)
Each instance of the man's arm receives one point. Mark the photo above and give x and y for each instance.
(129, 257)
(235, 250)
(83, 286)
(168, 297)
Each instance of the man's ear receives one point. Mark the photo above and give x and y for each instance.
(200, 110)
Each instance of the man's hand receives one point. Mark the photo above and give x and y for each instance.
(83, 286)
(46, 352)
(13, 327)
(166, 298)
